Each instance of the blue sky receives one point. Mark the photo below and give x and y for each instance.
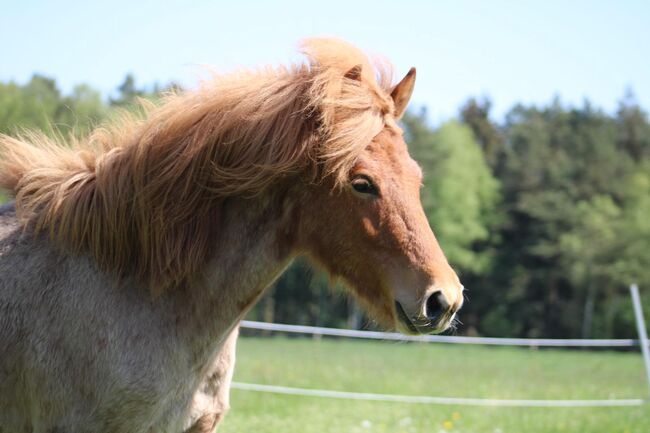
(512, 51)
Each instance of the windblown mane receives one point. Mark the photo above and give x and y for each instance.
(140, 196)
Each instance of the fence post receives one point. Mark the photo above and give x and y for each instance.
(640, 325)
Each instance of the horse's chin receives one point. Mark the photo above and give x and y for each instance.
(405, 329)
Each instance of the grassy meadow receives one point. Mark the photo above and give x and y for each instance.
(436, 370)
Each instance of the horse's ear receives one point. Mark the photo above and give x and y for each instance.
(402, 92)
(354, 73)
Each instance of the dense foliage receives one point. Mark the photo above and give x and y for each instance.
(545, 215)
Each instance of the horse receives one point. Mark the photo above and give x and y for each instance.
(128, 258)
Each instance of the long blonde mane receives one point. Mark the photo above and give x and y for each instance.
(140, 195)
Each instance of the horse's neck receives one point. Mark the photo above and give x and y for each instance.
(254, 247)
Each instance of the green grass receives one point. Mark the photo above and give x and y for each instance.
(436, 370)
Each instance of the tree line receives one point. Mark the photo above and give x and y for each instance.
(545, 214)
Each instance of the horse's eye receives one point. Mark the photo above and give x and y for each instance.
(364, 185)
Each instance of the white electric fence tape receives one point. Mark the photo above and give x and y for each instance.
(393, 336)
(420, 399)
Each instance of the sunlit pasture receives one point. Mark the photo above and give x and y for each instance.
(435, 370)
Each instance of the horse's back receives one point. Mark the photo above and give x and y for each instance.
(8, 221)
(12, 320)
(44, 319)
(12, 355)
(78, 347)
(23, 269)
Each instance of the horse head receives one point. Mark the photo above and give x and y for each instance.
(372, 233)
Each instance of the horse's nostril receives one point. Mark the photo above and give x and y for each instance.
(436, 305)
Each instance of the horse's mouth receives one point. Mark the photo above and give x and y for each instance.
(404, 318)
(416, 327)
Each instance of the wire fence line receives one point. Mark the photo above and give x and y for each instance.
(393, 336)
(420, 399)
